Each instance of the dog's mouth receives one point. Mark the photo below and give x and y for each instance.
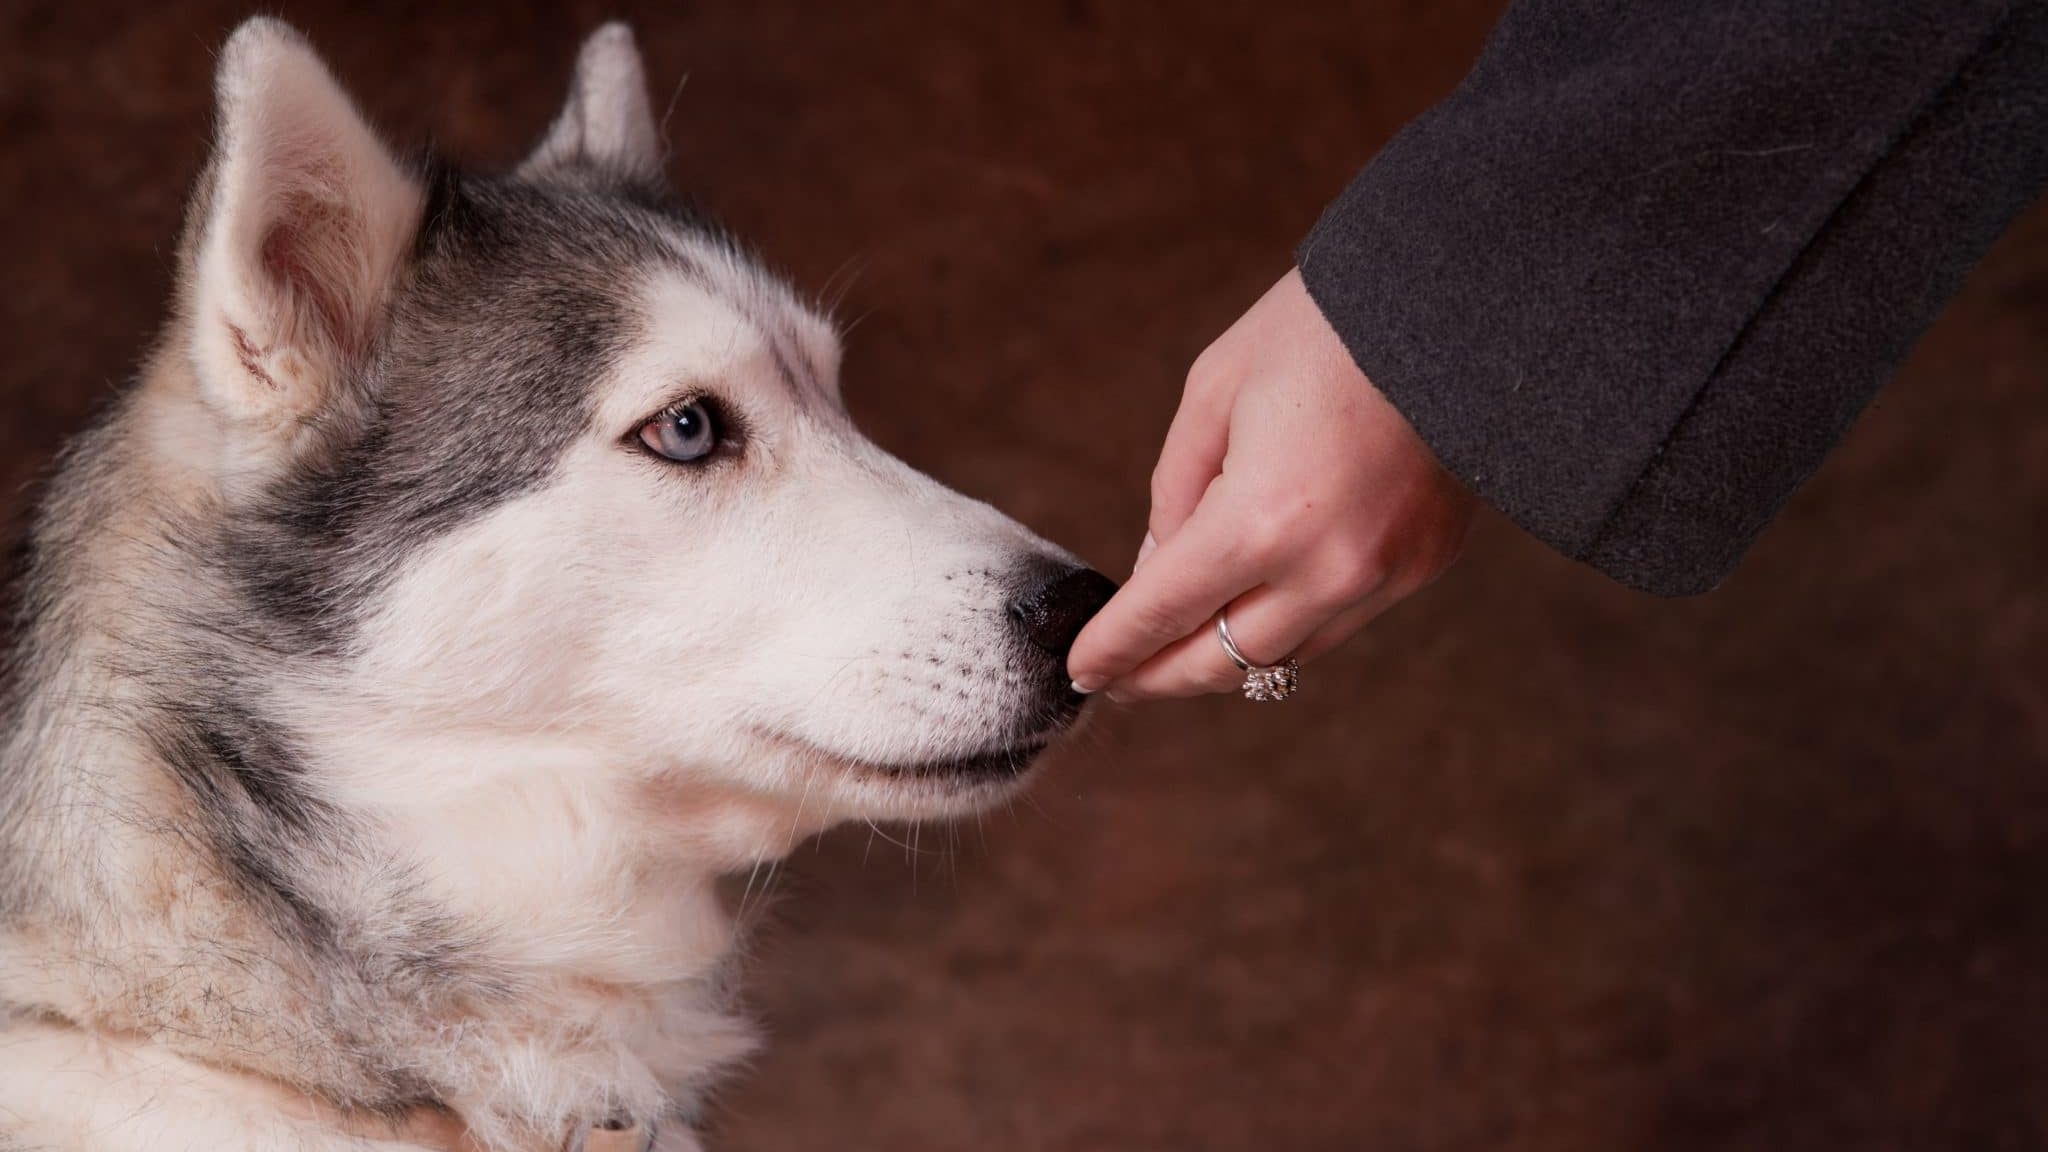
(998, 764)
(1005, 762)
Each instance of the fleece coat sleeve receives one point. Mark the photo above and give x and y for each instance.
(1636, 276)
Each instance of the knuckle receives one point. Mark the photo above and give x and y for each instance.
(1156, 621)
(1350, 568)
(1268, 536)
(1298, 518)
(1163, 491)
(1205, 372)
(1279, 532)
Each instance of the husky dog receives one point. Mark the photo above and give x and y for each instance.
(479, 568)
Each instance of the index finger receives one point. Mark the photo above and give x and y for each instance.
(1201, 568)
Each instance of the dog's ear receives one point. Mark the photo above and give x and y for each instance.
(606, 123)
(298, 233)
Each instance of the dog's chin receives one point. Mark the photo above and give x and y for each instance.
(920, 787)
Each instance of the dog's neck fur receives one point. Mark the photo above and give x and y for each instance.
(144, 817)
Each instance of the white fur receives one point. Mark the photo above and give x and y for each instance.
(562, 721)
(607, 118)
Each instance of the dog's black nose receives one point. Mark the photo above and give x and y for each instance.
(1052, 614)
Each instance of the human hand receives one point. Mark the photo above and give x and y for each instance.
(1288, 490)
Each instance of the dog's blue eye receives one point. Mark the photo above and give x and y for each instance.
(683, 434)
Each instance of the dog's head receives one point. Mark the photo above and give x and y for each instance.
(540, 476)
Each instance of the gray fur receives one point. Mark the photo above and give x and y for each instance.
(510, 308)
(223, 558)
(509, 313)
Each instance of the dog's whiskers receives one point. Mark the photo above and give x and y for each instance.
(752, 873)
(875, 830)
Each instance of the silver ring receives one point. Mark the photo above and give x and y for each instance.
(1261, 682)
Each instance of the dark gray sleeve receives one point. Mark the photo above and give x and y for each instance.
(1634, 279)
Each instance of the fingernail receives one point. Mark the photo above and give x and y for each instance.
(1086, 687)
(1145, 550)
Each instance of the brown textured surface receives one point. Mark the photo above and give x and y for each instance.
(1538, 864)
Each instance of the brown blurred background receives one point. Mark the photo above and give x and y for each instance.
(1536, 864)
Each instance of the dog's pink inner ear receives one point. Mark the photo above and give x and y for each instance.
(303, 234)
(306, 257)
